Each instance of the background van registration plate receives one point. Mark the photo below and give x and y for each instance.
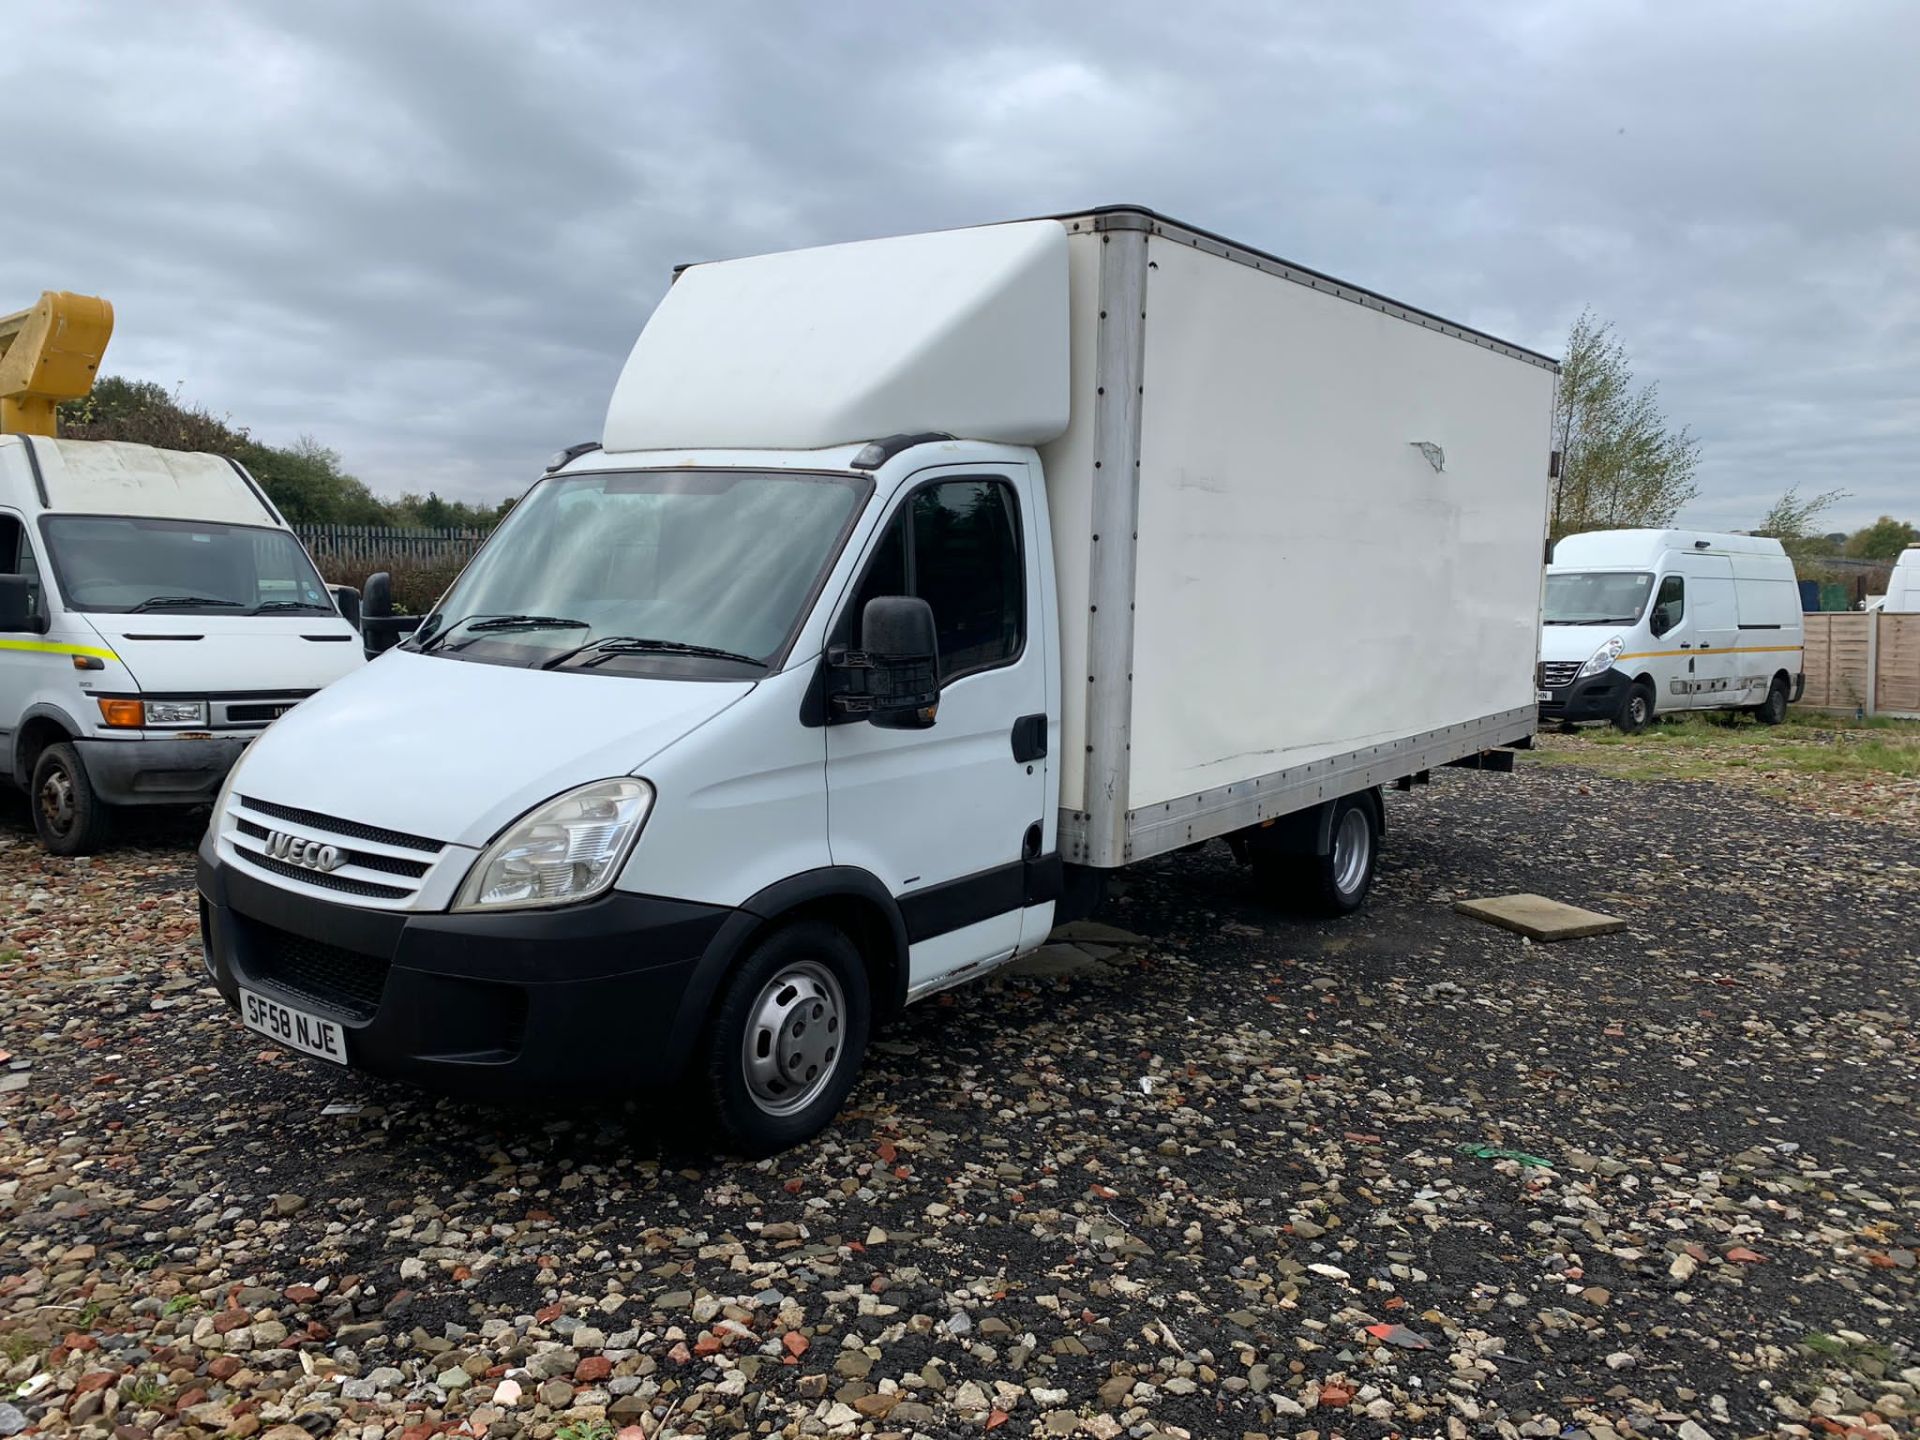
(293, 1027)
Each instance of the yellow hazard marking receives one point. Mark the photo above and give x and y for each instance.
(1710, 650)
(55, 647)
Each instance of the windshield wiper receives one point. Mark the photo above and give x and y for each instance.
(266, 605)
(487, 623)
(609, 646)
(169, 602)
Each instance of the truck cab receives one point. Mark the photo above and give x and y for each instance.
(1641, 623)
(156, 614)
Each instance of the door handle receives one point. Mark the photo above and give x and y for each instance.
(1686, 644)
(1029, 738)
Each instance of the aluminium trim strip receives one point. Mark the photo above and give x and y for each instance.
(1119, 369)
(1206, 814)
(1114, 219)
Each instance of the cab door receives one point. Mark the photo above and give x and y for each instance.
(25, 659)
(1668, 653)
(950, 818)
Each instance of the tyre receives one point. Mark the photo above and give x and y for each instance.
(1773, 709)
(786, 1039)
(67, 816)
(1332, 884)
(1636, 711)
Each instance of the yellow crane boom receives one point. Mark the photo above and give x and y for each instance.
(49, 353)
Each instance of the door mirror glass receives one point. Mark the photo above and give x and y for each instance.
(901, 660)
(20, 606)
(346, 600)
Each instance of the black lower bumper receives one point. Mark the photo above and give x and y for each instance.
(582, 1000)
(1598, 697)
(151, 771)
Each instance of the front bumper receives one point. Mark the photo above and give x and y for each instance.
(1598, 697)
(581, 1000)
(154, 771)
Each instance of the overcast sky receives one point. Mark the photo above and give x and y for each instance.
(427, 233)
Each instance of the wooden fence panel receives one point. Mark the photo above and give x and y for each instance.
(1836, 661)
(1898, 680)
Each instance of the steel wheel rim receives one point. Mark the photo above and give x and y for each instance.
(1637, 709)
(795, 1038)
(56, 800)
(1352, 847)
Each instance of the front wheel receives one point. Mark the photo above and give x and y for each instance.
(67, 816)
(1773, 709)
(786, 1039)
(1636, 713)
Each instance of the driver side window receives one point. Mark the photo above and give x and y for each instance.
(16, 555)
(1670, 605)
(956, 545)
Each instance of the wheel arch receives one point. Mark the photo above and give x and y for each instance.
(852, 900)
(41, 726)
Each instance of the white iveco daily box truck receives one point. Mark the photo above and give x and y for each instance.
(916, 585)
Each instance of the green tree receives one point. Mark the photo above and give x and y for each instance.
(1882, 540)
(1791, 519)
(1620, 464)
(305, 480)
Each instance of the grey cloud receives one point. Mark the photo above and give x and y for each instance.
(428, 233)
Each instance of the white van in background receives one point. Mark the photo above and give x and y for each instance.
(156, 614)
(1640, 623)
(1903, 585)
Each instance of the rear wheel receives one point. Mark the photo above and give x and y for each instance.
(67, 816)
(786, 1039)
(1337, 882)
(1636, 712)
(1773, 709)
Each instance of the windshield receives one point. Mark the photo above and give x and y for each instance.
(1598, 597)
(137, 565)
(698, 573)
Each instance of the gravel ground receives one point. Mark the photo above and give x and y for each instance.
(1205, 1172)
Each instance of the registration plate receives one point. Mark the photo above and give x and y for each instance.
(293, 1027)
(1541, 697)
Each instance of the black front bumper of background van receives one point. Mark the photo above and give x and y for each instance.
(159, 771)
(584, 1000)
(1598, 697)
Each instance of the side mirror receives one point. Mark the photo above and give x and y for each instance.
(902, 662)
(376, 602)
(19, 608)
(377, 632)
(346, 600)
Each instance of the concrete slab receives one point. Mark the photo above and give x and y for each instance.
(1099, 934)
(1539, 918)
(1054, 960)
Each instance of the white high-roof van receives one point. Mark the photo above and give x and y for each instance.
(1640, 623)
(156, 613)
(1903, 586)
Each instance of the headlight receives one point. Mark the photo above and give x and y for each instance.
(175, 712)
(1604, 657)
(565, 850)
